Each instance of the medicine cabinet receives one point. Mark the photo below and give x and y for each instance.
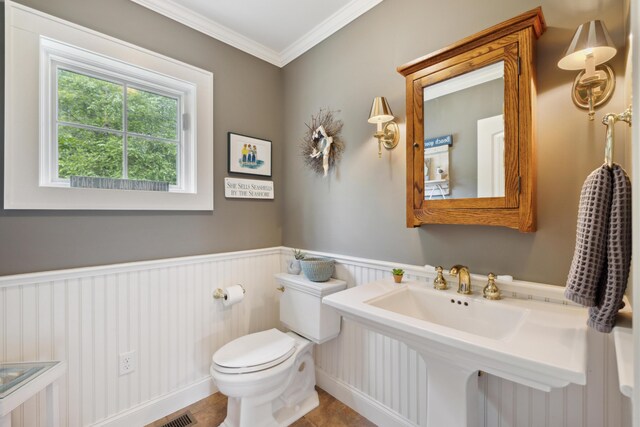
(471, 129)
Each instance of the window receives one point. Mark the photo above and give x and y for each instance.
(110, 120)
(90, 117)
(116, 130)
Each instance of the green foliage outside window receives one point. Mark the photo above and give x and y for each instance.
(99, 151)
(87, 153)
(89, 101)
(152, 160)
(151, 114)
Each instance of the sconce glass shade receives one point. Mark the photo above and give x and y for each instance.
(590, 38)
(380, 111)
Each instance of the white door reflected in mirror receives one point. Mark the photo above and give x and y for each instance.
(491, 156)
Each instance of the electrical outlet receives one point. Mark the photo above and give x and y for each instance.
(127, 362)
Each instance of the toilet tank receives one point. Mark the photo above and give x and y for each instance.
(301, 308)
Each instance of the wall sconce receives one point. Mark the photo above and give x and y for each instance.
(590, 48)
(389, 134)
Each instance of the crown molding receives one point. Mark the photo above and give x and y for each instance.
(326, 28)
(211, 28)
(317, 34)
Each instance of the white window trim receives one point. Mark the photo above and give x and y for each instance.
(35, 44)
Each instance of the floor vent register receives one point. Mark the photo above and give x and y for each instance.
(183, 420)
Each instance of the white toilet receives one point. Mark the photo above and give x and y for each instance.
(269, 376)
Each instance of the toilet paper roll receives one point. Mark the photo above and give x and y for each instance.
(232, 295)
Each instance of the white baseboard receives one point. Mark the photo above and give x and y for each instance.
(152, 410)
(363, 404)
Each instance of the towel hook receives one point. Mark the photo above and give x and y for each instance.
(609, 121)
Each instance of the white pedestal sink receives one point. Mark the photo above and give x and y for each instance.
(541, 345)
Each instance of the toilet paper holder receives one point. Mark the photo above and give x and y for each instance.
(219, 293)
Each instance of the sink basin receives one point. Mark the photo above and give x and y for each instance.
(478, 317)
(538, 344)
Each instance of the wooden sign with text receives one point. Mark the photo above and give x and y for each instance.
(236, 188)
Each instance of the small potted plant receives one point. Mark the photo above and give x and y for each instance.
(397, 274)
(294, 264)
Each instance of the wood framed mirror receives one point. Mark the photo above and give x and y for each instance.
(471, 129)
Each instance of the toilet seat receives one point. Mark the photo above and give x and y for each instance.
(254, 352)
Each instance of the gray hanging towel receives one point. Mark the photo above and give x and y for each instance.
(602, 317)
(590, 256)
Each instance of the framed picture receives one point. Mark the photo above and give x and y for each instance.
(248, 155)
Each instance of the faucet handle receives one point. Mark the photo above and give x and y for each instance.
(440, 282)
(491, 291)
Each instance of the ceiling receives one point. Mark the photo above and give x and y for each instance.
(277, 31)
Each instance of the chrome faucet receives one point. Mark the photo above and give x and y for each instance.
(464, 278)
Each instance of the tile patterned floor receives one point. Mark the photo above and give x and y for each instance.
(210, 412)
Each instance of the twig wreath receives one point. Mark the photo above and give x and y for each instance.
(323, 146)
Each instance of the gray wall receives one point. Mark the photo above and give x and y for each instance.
(360, 209)
(246, 90)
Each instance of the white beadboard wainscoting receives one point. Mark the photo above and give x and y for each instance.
(385, 380)
(164, 311)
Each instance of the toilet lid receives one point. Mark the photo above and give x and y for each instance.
(254, 351)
